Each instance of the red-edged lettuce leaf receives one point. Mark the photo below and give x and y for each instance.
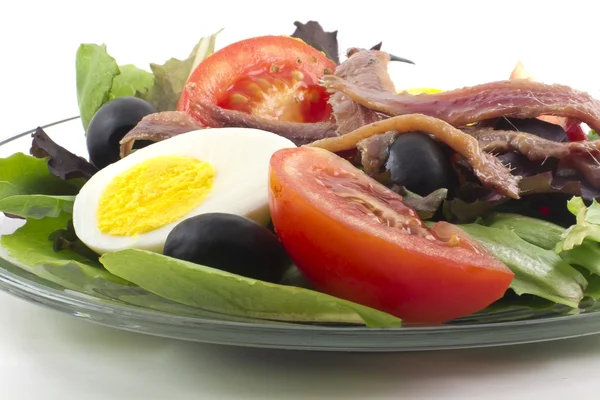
(61, 162)
(313, 34)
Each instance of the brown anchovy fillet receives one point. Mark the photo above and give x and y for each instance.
(367, 68)
(374, 152)
(514, 98)
(298, 132)
(582, 156)
(487, 168)
(157, 127)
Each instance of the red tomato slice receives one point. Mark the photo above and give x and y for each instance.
(355, 239)
(574, 131)
(275, 77)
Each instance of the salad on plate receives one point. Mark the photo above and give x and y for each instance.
(274, 180)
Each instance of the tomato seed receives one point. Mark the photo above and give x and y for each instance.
(297, 75)
(237, 98)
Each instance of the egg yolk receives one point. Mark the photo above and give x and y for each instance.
(423, 90)
(152, 194)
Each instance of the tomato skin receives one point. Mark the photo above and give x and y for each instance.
(264, 56)
(350, 255)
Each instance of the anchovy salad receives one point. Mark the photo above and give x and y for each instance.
(275, 180)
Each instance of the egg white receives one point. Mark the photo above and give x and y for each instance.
(240, 157)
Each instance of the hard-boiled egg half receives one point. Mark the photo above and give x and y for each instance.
(138, 200)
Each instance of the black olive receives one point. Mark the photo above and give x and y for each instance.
(230, 243)
(417, 162)
(534, 126)
(110, 123)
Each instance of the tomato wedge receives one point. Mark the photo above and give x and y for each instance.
(275, 77)
(355, 239)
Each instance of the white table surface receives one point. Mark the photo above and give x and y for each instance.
(45, 354)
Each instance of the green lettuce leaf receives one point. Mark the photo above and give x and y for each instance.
(593, 288)
(37, 206)
(31, 247)
(537, 271)
(95, 72)
(546, 235)
(21, 174)
(171, 77)
(219, 291)
(29, 253)
(541, 233)
(587, 256)
(100, 79)
(131, 81)
(586, 227)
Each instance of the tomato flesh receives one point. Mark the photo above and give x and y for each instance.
(274, 77)
(281, 92)
(355, 239)
(575, 132)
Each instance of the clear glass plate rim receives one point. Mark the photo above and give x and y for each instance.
(26, 289)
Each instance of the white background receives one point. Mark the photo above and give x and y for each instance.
(44, 354)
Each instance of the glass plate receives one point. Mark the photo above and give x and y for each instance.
(135, 309)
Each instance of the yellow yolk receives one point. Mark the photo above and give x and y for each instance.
(423, 90)
(152, 194)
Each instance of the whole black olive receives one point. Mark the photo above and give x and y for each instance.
(417, 162)
(110, 123)
(534, 126)
(230, 243)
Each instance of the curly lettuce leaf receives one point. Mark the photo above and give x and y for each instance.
(587, 226)
(171, 77)
(219, 291)
(21, 174)
(590, 214)
(537, 271)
